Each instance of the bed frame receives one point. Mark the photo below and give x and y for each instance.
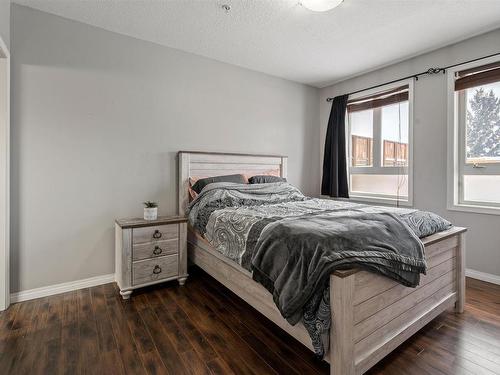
(371, 314)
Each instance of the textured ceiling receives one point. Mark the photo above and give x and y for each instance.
(281, 38)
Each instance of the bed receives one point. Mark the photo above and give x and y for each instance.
(371, 315)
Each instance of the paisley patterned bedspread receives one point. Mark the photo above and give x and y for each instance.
(233, 216)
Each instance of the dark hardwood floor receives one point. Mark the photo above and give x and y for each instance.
(202, 328)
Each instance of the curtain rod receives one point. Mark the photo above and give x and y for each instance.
(429, 71)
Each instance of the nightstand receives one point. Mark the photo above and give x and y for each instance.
(148, 252)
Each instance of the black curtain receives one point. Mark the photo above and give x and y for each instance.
(334, 181)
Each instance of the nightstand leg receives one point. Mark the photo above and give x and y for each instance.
(182, 280)
(126, 295)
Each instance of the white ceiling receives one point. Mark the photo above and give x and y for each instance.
(281, 38)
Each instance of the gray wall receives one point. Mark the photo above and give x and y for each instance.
(97, 119)
(5, 21)
(430, 122)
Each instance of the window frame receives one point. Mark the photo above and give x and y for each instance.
(378, 150)
(457, 166)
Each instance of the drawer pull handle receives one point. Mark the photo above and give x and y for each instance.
(157, 250)
(157, 270)
(157, 234)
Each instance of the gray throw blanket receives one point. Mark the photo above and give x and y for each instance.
(291, 243)
(295, 256)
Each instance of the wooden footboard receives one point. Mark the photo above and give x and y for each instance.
(372, 314)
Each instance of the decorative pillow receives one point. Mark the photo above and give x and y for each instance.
(202, 182)
(265, 179)
(192, 194)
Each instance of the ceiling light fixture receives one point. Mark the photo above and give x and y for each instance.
(320, 5)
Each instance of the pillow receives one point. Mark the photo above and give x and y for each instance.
(265, 179)
(192, 194)
(202, 182)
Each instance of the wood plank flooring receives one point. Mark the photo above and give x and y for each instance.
(202, 328)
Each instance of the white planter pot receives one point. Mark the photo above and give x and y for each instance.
(151, 213)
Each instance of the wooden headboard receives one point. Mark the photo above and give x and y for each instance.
(197, 164)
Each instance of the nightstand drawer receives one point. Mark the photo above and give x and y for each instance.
(155, 249)
(156, 233)
(146, 271)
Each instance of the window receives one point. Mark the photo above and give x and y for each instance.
(379, 130)
(476, 126)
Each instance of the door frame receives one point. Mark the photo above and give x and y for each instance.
(5, 181)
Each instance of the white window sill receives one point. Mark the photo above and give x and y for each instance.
(377, 200)
(489, 210)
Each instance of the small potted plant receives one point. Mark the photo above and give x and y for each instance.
(150, 210)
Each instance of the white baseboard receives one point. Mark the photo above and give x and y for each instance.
(483, 276)
(50, 290)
